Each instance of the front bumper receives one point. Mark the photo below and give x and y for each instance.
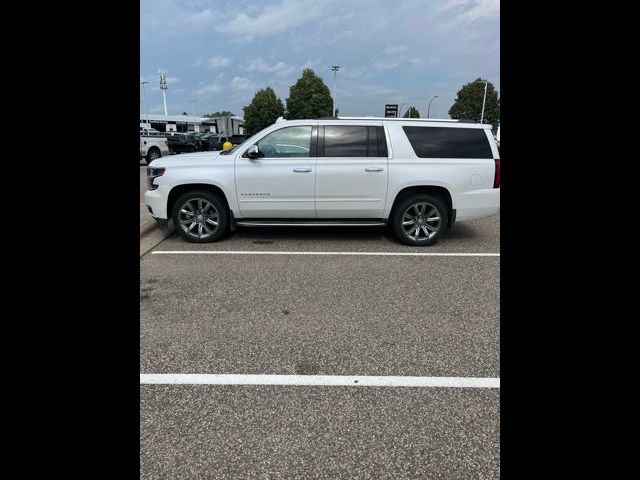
(156, 200)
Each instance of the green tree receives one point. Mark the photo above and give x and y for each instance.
(223, 113)
(264, 110)
(468, 103)
(412, 112)
(309, 97)
(185, 113)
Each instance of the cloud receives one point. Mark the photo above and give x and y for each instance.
(210, 89)
(280, 69)
(394, 50)
(219, 62)
(377, 90)
(406, 52)
(480, 10)
(201, 19)
(272, 19)
(471, 11)
(239, 84)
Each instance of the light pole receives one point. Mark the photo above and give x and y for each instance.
(429, 108)
(484, 99)
(400, 110)
(144, 94)
(193, 109)
(164, 87)
(334, 69)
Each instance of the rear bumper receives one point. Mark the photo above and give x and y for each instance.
(478, 204)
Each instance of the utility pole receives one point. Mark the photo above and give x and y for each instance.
(429, 109)
(334, 69)
(484, 99)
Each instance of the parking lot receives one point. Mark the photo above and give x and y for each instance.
(321, 302)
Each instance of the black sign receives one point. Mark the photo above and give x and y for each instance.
(391, 111)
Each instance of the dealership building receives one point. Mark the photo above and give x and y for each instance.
(186, 123)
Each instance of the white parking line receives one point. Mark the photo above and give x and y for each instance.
(316, 380)
(262, 252)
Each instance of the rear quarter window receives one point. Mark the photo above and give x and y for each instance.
(443, 142)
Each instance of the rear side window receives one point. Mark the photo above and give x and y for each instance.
(353, 141)
(443, 142)
(345, 141)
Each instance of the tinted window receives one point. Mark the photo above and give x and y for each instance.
(442, 142)
(345, 141)
(286, 142)
(382, 142)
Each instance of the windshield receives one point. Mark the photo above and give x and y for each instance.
(243, 144)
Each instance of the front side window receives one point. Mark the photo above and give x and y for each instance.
(443, 142)
(286, 142)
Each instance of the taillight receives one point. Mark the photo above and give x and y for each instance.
(496, 179)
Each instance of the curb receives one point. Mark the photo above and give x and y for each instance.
(152, 225)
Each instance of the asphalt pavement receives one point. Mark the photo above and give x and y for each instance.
(321, 315)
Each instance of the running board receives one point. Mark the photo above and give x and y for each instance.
(309, 223)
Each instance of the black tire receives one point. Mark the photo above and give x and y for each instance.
(153, 154)
(409, 210)
(197, 233)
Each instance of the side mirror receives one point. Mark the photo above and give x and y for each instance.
(253, 152)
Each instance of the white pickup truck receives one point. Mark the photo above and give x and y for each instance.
(152, 147)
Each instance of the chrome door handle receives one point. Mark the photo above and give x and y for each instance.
(373, 169)
(301, 170)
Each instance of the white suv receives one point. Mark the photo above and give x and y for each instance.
(416, 175)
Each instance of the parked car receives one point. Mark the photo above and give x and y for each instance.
(193, 138)
(180, 143)
(153, 147)
(234, 139)
(418, 176)
(214, 139)
(208, 140)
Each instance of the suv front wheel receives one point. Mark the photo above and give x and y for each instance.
(200, 217)
(420, 220)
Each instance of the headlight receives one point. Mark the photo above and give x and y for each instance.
(153, 172)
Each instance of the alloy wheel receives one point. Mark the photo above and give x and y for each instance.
(199, 218)
(421, 221)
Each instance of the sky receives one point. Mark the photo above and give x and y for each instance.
(218, 53)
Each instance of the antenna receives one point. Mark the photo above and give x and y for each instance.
(164, 87)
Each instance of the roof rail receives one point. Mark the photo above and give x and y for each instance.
(396, 119)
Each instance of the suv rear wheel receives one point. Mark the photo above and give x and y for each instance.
(200, 217)
(420, 220)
